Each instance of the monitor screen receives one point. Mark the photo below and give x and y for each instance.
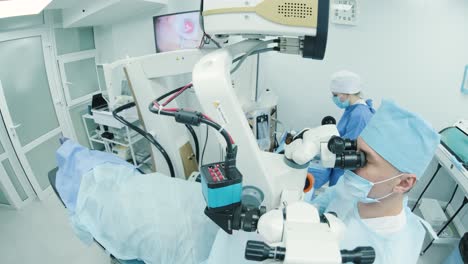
(178, 31)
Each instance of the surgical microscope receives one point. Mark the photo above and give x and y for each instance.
(252, 190)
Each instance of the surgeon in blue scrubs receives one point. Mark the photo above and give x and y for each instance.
(346, 94)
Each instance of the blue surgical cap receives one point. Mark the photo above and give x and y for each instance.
(402, 138)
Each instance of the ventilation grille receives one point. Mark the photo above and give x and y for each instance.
(295, 10)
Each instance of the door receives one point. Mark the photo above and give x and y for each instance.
(27, 105)
(15, 190)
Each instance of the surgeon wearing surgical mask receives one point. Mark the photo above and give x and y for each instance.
(346, 94)
(345, 87)
(371, 200)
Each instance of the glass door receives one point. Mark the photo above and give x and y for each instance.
(15, 190)
(26, 101)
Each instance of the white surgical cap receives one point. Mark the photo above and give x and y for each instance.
(345, 82)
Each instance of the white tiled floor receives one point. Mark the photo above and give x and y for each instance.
(40, 233)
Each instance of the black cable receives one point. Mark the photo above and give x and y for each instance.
(190, 129)
(145, 134)
(254, 53)
(202, 42)
(169, 93)
(204, 146)
(214, 41)
(197, 119)
(195, 140)
(224, 133)
(202, 26)
(260, 51)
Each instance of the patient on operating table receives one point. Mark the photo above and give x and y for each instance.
(150, 217)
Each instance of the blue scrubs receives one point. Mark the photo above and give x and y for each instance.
(351, 124)
(355, 119)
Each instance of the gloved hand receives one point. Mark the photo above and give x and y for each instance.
(302, 150)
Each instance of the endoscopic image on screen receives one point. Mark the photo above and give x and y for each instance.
(178, 31)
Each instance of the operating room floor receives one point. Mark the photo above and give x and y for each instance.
(40, 233)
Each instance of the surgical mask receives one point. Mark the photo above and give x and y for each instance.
(340, 104)
(359, 187)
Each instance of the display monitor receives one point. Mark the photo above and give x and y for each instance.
(178, 31)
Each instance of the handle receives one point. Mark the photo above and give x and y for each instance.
(13, 129)
(360, 255)
(15, 126)
(260, 251)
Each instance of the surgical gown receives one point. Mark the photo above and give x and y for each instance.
(400, 247)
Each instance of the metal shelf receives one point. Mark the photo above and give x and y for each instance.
(96, 138)
(144, 161)
(125, 143)
(126, 138)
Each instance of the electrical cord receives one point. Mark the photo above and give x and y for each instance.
(190, 129)
(193, 118)
(157, 108)
(202, 26)
(196, 118)
(204, 145)
(251, 51)
(149, 137)
(169, 93)
(223, 132)
(145, 134)
(178, 92)
(203, 119)
(212, 39)
(195, 140)
(260, 51)
(202, 42)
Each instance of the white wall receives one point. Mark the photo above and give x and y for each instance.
(412, 51)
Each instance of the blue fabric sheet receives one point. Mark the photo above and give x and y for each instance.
(74, 161)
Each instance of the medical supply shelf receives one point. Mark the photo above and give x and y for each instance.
(128, 139)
